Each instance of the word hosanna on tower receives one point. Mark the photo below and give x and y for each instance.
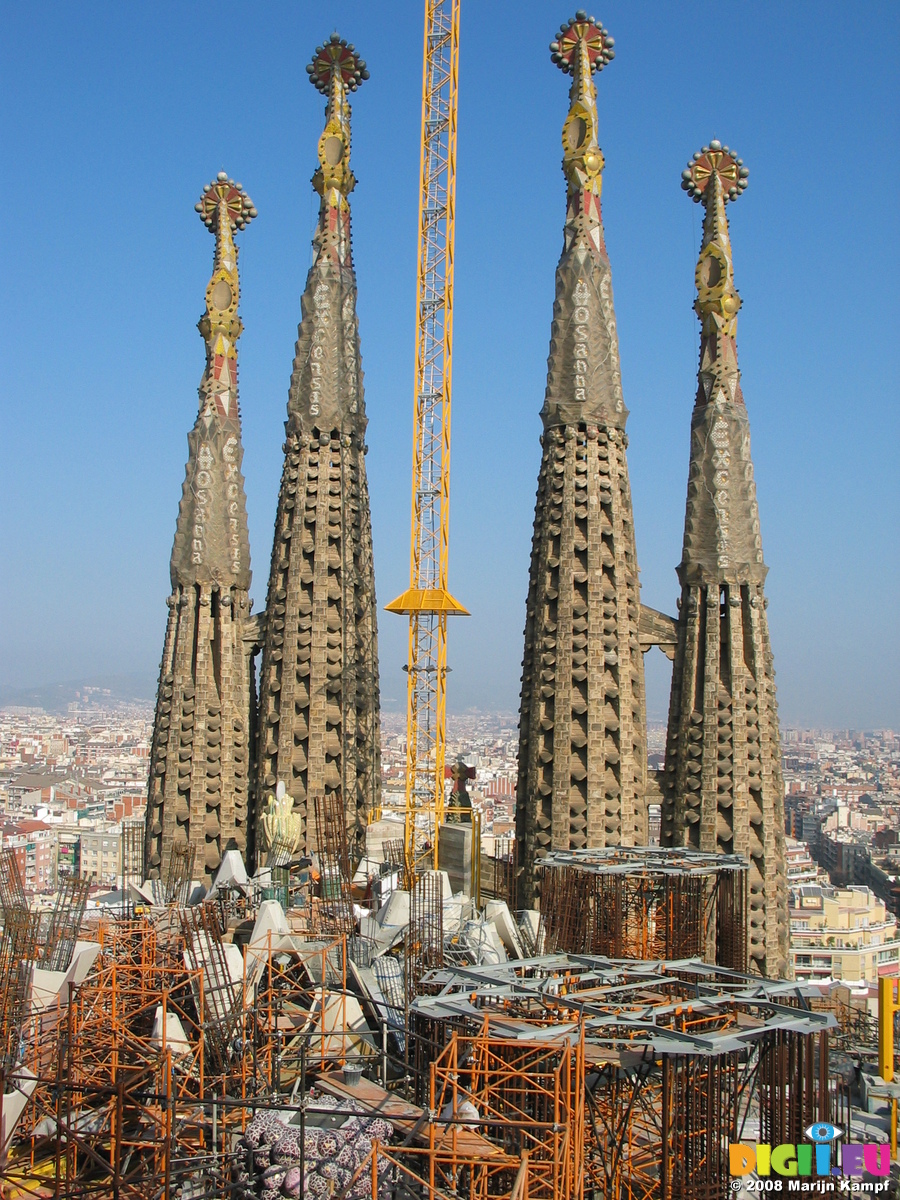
(219, 753)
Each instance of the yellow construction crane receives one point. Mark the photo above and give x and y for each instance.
(428, 602)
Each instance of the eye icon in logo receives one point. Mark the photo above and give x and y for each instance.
(822, 1132)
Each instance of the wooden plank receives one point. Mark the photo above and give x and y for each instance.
(404, 1116)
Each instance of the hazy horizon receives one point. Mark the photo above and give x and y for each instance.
(148, 700)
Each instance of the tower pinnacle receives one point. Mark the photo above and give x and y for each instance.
(723, 535)
(715, 176)
(326, 383)
(582, 759)
(199, 758)
(582, 47)
(319, 724)
(584, 346)
(223, 208)
(211, 541)
(335, 70)
(723, 789)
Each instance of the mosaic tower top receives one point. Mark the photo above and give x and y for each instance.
(211, 543)
(722, 537)
(584, 385)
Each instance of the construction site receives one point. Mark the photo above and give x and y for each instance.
(307, 989)
(289, 1036)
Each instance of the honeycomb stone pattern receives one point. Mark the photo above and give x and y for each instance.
(199, 760)
(581, 748)
(319, 683)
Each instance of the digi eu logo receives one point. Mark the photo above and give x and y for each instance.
(812, 1166)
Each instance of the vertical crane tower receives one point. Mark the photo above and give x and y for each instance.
(428, 602)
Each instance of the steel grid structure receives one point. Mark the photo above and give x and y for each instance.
(300, 1019)
(12, 890)
(179, 873)
(558, 1078)
(18, 951)
(679, 1058)
(646, 903)
(129, 1101)
(59, 938)
(428, 601)
(335, 914)
(393, 852)
(857, 1031)
(220, 998)
(133, 871)
(509, 1111)
(128, 1104)
(424, 948)
(280, 852)
(499, 870)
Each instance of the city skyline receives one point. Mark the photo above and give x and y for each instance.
(95, 414)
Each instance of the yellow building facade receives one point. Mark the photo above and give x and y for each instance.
(842, 933)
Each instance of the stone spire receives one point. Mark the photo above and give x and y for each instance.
(723, 786)
(582, 758)
(319, 708)
(199, 761)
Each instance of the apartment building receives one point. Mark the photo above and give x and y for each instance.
(842, 933)
(34, 844)
(100, 854)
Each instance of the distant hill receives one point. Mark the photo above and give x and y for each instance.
(102, 691)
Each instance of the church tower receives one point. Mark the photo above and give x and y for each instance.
(319, 708)
(582, 757)
(723, 789)
(199, 757)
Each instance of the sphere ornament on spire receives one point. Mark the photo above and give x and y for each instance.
(238, 206)
(336, 57)
(597, 43)
(583, 46)
(335, 71)
(715, 159)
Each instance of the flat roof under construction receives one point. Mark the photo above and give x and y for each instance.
(644, 860)
(684, 1007)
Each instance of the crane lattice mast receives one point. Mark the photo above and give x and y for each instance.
(428, 602)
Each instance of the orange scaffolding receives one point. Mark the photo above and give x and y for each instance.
(558, 1078)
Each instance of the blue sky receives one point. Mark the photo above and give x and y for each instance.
(116, 115)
